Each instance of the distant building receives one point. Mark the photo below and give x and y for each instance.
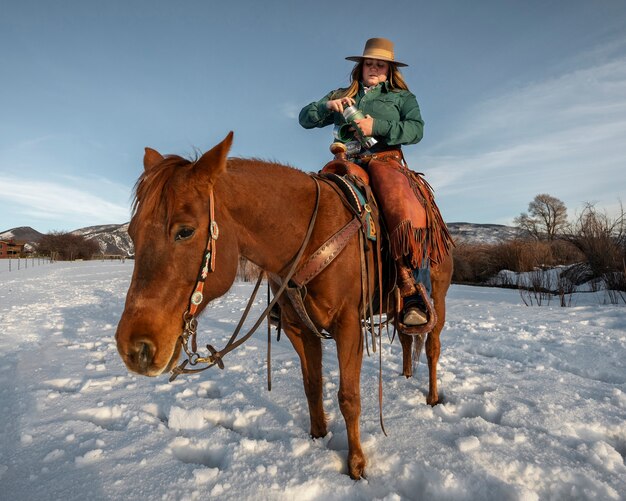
(10, 248)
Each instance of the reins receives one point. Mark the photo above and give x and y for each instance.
(190, 322)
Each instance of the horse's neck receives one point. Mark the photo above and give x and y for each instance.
(271, 206)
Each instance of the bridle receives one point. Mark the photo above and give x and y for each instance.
(190, 323)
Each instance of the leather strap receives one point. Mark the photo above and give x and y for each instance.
(382, 155)
(323, 256)
(297, 301)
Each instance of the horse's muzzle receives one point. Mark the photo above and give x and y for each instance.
(139, 357)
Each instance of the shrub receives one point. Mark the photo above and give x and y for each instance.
(602, 240)
(478, 263)
(67, 246)
(472, 263)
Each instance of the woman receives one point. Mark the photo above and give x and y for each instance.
(392, 117)
(379, 91)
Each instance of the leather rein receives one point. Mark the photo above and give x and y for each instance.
(190, 322)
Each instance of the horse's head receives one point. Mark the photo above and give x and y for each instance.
(169, 229)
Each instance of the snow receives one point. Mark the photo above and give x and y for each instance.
(534, 405)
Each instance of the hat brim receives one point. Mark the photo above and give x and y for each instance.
(358, 59)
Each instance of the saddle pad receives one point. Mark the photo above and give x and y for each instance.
(357, 201)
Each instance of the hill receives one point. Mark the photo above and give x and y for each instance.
(113, 239)
(22, 234)
(482, 233)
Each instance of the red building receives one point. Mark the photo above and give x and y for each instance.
(10, 248)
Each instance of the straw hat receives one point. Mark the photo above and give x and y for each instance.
(377, 48)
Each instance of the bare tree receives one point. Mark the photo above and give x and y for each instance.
(602, 239)
(546, 217)
(67, 246)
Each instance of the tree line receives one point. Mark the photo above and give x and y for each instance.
(592, 244)
(62, 246)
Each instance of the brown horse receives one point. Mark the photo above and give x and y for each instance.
(263, 210)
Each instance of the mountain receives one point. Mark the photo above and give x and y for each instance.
(113, 239)
(482, 233)
(22, 234)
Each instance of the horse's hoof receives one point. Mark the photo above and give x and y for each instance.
(434, 401)
(356, 468)
(318, 434)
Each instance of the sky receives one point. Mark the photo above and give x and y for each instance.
(519, 98)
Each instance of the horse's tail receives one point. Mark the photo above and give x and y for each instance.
(418, 347)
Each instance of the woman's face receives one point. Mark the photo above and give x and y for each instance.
(375, 71)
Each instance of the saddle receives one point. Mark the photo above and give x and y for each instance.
(398, 199)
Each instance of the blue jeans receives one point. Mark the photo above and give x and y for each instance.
(422, 276)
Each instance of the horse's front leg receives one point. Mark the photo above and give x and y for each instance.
(309, 349)
(350, 354)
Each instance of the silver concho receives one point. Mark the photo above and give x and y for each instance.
(196, 298)
(215, 230)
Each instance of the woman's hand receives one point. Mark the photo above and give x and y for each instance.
(338, 104)
(366, 125)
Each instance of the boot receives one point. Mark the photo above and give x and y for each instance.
(414, 311)
(414, 316)
(406, 282)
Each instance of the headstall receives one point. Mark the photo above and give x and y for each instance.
(190, 322)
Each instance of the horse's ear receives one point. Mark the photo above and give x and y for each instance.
(213, 162)
(151, 158)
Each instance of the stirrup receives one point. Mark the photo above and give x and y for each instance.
(415, 330)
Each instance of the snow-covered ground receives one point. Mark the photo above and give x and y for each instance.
(535, 405)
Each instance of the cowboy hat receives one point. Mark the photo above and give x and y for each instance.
(377, 48)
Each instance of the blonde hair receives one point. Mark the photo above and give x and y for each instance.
(395, 78)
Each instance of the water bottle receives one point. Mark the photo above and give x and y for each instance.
(352, 113)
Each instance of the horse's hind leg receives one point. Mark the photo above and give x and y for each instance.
(433, 346)
(407, 357)
(350, 354)
(309, 349)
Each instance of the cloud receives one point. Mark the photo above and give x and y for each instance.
(28, 144)
(290, 110)
(49, 200)
(564, 136)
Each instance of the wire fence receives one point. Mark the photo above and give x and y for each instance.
(14, 264)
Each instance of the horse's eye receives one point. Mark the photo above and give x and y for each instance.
(184, 233)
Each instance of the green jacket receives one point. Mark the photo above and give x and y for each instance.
(397, 118)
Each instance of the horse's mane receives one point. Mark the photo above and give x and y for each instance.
(236, 163)
(153, 189)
